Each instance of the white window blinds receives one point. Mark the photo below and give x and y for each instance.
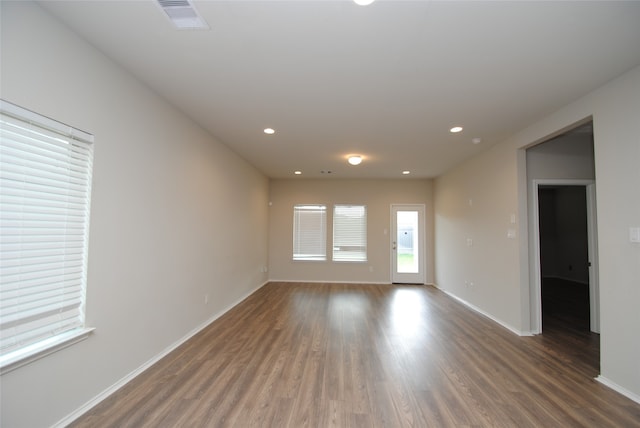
(309, 232)
(350, 233)
(45, 183)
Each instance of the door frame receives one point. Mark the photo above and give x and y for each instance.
(592, 244)
(421, 275)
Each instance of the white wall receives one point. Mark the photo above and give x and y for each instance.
(615, 108)
(377, 195)
(476, 202)
(175, 216)
(564, 157)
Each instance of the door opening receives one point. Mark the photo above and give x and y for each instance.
(407, 244)
(566, 252)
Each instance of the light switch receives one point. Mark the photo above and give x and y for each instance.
(513, 219)
(469, 242)
(511, 234)
(634, 234)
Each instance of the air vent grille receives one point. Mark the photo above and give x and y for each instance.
(182, 14)
(174, 3)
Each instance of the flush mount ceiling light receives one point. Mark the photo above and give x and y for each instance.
(406, 172)
(297, 172)
(455, 129)
(363, 2)
(355, 159)
(476, 140)
(269, 131)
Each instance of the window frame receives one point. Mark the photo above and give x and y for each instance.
(319, 253)
(348, 234)
(73, 166)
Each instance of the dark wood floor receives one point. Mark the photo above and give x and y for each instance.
(565, 305)
(321, 355)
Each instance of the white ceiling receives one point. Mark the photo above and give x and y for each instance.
(386, 81)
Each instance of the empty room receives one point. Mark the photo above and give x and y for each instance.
(319, 213)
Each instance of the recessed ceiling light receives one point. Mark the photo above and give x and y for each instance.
(363, 2)
(406, 172)
(355, 159)
(456, 129)
(476, 140)
(297, 172)
(269, 131)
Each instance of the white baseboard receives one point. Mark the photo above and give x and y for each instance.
(128, 378)
(491, 317)
(326, 282)
(618, 388)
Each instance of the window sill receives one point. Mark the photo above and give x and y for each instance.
(41, 349)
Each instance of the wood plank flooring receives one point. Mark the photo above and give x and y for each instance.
(345, 355)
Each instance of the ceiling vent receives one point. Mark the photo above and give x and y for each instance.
(183, 15)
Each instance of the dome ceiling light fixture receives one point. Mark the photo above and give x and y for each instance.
(355, 159)
(269, 131)
(455, 129)
(363, 2)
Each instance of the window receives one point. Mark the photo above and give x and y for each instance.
(350, 233)
(45, 183)
(309, 232)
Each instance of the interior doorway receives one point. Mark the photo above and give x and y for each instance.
(561, 178)
(564, 256)
(564, 229)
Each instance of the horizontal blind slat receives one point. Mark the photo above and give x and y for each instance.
(41, 329)
(34, 290)
(34, 309)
